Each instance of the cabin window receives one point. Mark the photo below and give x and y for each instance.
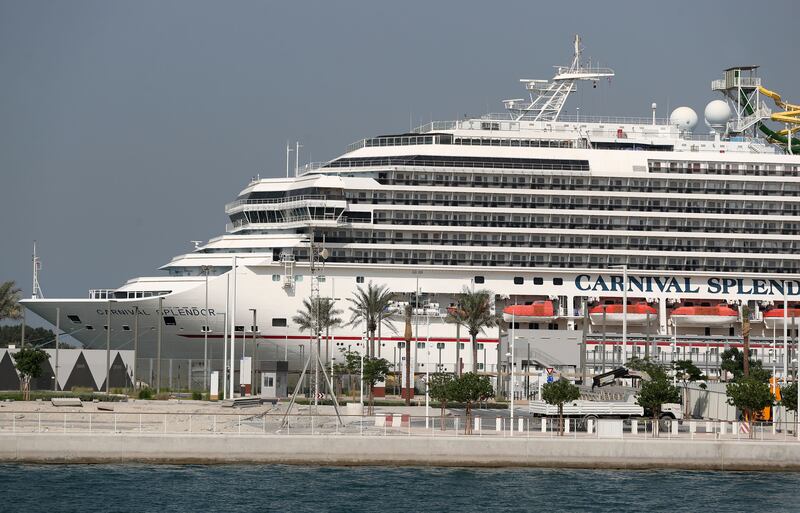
(125, 327)
(519, 280)
(169, 320)
(359, 279)
(279, 322)
(89, 327)
(74, 318)
(558, 281)
(478, 279)
(276, 277)
(420, 345)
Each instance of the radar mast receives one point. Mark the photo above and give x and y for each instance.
(548, 98)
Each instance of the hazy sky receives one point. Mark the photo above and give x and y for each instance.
(126, 126)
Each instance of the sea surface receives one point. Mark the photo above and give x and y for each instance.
(235, 488)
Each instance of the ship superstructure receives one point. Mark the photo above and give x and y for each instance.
(636, 236)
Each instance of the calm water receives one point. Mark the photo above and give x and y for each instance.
(194, 488)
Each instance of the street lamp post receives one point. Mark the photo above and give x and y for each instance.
(253, 356)
(511, 368)
(159, 322)
(427, 382)
(361, 376)
(108, 347)
(206, 270)
(624, 268)
(58, 331)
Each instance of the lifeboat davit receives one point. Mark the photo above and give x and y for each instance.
(774, 318)
(637, 313)
(706, 316)
(538, 311)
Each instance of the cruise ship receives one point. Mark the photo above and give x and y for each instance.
(606, 238)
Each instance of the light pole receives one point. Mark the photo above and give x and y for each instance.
(785, 336)
(253, 356)
(58, 330)
(427, 383)
(108, 347)
(511, 382)
(511, 369)
(206, 270)
(159, 322)
(135, 344)
(624, 268)
(361, 376)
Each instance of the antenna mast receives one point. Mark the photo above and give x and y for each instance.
(548, 98)
(36, 290)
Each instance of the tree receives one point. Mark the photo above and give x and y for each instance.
(687, 372)
(557, 393)
(322, 315)
(41, 337)
(370, 307)
(440, 389)
(474, 312)
(470, 388)
(749, 395)
(9, 301)
(29, 365)
(339, 370)
(352, 365)
(375, 370)
(732, 360)
(656, 390)
(409, 386)
(789, 396)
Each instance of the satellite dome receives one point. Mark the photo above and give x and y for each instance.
(717, 113)
(684, 118)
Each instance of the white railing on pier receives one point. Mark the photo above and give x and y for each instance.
(483, 423)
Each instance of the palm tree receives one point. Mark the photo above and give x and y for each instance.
(746, 339)
(370, 307)
(322, 314)
(407, 335)
(9, 301)
(474, 312)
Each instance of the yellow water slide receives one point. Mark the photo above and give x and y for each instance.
(790, 114)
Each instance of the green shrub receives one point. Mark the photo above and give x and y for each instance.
(145, 393)
(197, 396)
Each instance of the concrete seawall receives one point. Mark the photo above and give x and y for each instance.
(366, 450)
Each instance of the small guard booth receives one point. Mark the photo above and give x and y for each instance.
(274, 379)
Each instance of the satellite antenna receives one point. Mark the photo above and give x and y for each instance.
(196, 243)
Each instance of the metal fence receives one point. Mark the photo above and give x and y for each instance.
(123, 423)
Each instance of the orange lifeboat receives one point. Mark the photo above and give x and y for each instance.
(538, 311)
(706, 316)
(774, 318)
(637, 313)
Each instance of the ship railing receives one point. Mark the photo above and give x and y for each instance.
(721, 83)
(484, 422)
(285, 222)
(568, 118)
(275, 201)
